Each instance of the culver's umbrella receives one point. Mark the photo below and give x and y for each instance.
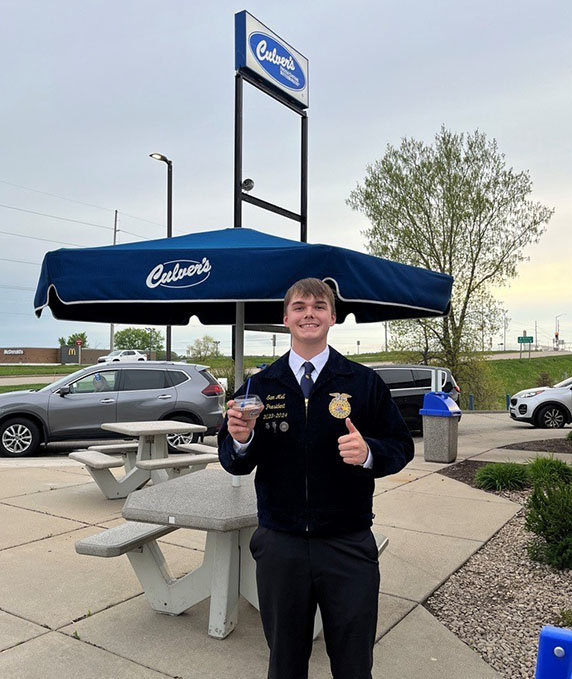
(205, 274)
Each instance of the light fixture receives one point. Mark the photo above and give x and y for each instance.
(247, 185)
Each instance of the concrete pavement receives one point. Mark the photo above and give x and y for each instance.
(67, 615)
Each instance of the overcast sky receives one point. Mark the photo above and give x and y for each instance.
(89, 88)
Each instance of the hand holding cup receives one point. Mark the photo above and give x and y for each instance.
(242, 413)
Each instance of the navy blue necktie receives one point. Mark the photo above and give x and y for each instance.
(307, 382)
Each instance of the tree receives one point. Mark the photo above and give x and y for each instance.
(71, 340)
(203, 347)
(454, 207)
(138, 338)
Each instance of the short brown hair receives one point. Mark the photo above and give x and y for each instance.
(310, 287)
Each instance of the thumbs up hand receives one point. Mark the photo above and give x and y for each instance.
(353, 448)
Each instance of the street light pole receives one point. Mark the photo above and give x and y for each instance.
(164, 159)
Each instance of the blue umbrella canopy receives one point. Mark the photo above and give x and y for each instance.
(166, 281)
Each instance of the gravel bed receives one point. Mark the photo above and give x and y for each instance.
(499, 600)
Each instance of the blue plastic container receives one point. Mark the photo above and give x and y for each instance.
(439, 404)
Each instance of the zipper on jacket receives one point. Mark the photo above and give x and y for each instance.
(306, 459)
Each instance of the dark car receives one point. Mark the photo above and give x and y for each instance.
(409, 384)
(74, 407)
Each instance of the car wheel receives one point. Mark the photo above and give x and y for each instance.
(115, 360)
(177, 439)
(140, 359)
(19, 437)
(551, 417)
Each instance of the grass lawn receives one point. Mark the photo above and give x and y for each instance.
(20, 387)
(513, 374)
(6, 370)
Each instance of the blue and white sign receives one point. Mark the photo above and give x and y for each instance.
(263, 53)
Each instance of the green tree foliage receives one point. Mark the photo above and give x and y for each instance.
(455, 207)
(138, 338)
(71, 340)
(203, 347)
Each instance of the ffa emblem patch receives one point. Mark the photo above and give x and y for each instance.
(339, 406)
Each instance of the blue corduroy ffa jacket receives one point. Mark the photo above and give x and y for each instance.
(302, 483)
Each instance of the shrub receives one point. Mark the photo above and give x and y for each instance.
(564, 618)
(476, 377)
(228, 372)
(544, 380)
(569, 435)
(502, 476)
(545, 469)
(549, 517)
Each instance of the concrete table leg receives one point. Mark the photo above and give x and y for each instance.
(113, 488)
(224, 583)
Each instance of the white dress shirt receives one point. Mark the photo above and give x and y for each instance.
(296, 363)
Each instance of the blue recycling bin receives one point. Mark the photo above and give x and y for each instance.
(554, 653)
(441, 417)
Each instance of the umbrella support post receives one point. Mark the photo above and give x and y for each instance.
(238, 360)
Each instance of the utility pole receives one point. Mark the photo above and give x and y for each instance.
(535, 335)
(112, 326)
(273, 346)
(385, 324)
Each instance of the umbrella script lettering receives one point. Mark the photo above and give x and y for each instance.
(158, 275)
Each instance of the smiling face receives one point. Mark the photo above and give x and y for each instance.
(308, 318)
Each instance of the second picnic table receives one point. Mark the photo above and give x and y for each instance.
(149, 462)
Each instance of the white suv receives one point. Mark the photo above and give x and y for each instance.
(123, 355)
(546, 407)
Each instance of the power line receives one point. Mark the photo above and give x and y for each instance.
(63, 219)
(75, 221)
(19, 261)
(79, 202)
(46, 240)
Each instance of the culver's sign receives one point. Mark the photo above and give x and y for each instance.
(263, 53)
(182, 273)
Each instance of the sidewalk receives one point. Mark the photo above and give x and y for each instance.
(66, 615)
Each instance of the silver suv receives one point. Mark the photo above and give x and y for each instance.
(75, 406)
(546, 407)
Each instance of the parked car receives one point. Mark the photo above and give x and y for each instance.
(123, 355)
(408, 385)
(545, 407)
(74, 407)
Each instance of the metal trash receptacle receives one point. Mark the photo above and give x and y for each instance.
(440, 427)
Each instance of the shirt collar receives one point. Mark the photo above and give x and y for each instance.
(295, 361)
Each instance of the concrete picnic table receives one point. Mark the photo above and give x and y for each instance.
(152, 446)
(209, 502)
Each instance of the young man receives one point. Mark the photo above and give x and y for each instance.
(328, 429)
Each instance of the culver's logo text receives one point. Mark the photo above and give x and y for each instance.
(277, 61)
(183, 273)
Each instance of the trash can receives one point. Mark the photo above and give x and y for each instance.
(440, 427)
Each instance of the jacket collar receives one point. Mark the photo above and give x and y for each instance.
(335, 365)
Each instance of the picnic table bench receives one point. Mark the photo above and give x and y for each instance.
(152, 446)
(206, 501)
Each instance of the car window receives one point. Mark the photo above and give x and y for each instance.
(177, 376)
(397, 378)
(564, 383)
(144, 379)
(95, 382)
(422, 378)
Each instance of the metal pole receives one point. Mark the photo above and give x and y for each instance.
(112, 327)
(168, 331)
(304, 181)
(237, 151)
(385, 323)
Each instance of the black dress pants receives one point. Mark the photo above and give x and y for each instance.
(294, 574)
